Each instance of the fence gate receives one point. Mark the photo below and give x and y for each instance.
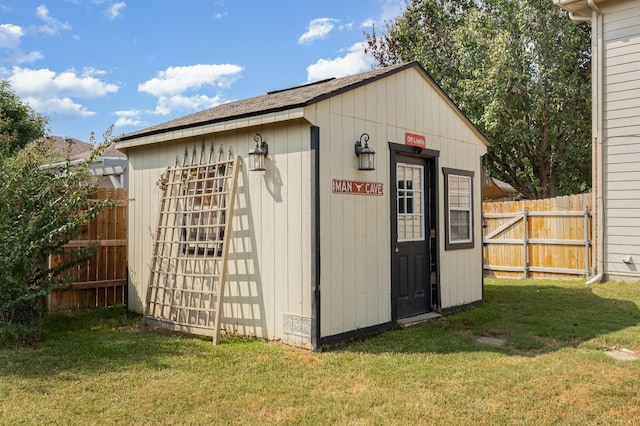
(189, 264)
(548, 238)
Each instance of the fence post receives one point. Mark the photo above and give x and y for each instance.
(525, 239)
(586, 240)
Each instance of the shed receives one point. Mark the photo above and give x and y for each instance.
(615, 61)
(321, 251)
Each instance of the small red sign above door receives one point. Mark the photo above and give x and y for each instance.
(340, 186)
(415, 140)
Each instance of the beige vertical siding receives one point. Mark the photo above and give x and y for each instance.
(355, 229)
(622, 137)
(269, 266)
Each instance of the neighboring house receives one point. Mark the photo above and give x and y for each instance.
(312, 260)
(496, 190)
(111, 165)
(616, 133)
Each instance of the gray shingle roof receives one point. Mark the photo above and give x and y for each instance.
(78, 150)
(72, 147)
(278, 100)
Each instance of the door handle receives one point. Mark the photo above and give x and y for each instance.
(397, 249)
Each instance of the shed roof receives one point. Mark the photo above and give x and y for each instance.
(285, 99)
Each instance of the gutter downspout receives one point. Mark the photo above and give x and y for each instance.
(595, 279)
(573, 16)
(598, 133)
(316, 330)
(597, 124)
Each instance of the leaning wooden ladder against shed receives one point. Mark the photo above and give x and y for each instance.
(189, 266)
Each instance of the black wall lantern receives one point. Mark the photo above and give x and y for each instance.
(258, 154)
(365, 154)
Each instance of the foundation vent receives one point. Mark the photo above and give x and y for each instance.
(297, 325)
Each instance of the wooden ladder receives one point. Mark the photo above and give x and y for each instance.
(189, 266)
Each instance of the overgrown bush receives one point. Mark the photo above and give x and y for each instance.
(42, 209)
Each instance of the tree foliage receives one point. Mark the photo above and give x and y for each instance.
(42, 209)
(19, 122)
(520, 70)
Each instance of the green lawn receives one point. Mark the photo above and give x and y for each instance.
(97, 368)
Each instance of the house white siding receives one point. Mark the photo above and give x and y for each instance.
(621, 132)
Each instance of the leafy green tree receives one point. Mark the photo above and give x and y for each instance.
(520, 70)
(20, 122)
(42, 209)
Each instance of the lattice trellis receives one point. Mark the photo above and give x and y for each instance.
(189, 266)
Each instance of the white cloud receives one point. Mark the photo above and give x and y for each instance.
(44, 82)
(368, 23)
(48, 92)
(10, 39)
(346, 27)
(128, 118)
(176, 87)
(23, 58)
(51, 25)
(167, 104)
(59, 105)
(176, 80)
(317, 29)
(355, 61)
(10, 36)
(115, 10)
(391, 9)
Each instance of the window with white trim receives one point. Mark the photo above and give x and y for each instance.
(459, 209)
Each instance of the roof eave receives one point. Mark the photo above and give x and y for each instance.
(201, 129)
(580, 10)
(576, 8)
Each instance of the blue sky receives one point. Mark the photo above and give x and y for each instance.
(87, 64)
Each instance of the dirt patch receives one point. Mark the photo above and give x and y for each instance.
(622, 354)
(493, 341)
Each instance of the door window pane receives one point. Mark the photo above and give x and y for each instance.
(410, 202)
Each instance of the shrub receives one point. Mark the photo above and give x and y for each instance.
(42, 209)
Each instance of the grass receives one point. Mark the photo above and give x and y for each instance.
(96, 368)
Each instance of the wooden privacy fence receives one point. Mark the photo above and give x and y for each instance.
(548, 238)
(102, 280)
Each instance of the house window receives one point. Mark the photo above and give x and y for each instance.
(459, 209)
(410, 202)
(203, 217)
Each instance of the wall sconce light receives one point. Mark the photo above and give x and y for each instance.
(365, 154)
(258, 154)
